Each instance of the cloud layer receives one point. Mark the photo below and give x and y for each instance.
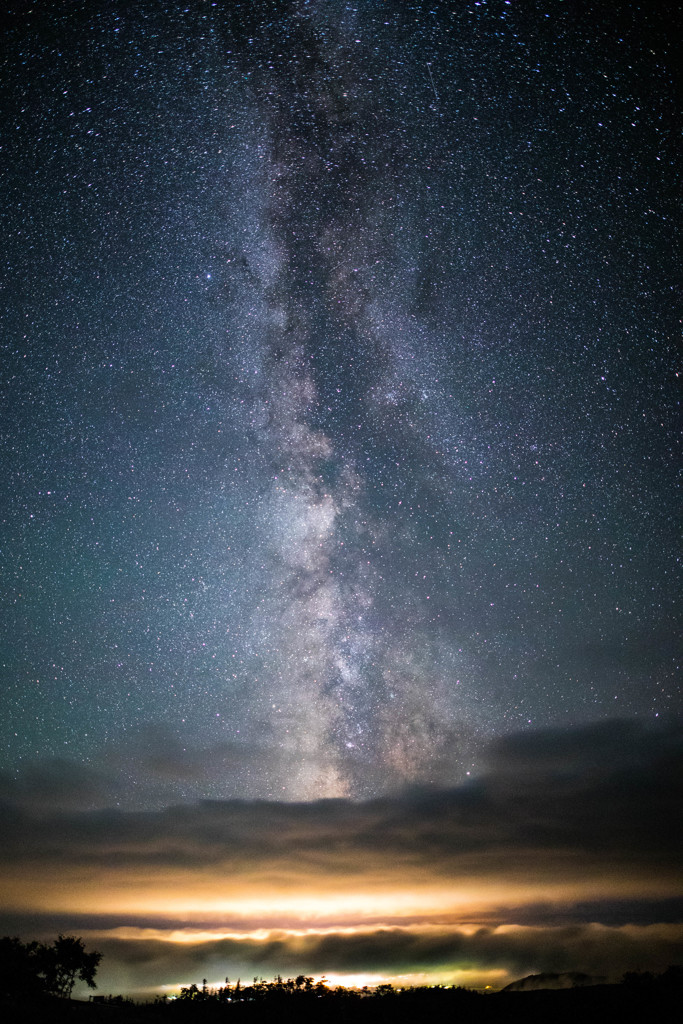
(562, 856)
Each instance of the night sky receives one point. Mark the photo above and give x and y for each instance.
(340, 445)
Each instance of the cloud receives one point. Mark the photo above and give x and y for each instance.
(611, 745)
(162, 765)
(613, 788)
(563, 855)
(58, 783)
(506, 952)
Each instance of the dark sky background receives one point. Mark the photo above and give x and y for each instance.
(339, 396)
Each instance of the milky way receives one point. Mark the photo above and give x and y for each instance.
(338, 391)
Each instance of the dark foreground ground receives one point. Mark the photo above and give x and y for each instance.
(607, 1004)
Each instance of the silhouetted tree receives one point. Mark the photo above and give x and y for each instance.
(190, 992)
(672, 977)
(65, 962)
(638, 979)
(19, 968)
(33, 968)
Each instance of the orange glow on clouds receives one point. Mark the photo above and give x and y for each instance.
(531, 869)
(207, 896)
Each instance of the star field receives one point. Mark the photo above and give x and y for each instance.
(339, 394)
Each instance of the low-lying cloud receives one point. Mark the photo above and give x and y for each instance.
(484, 874)
(610, 788)
(394, 951)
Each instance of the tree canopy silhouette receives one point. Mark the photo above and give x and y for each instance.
(34, 968)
